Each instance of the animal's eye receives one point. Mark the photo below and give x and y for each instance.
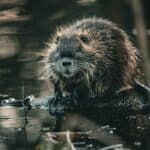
(84, 38)
(57, 39)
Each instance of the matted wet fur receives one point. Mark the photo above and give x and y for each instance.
(90, 57)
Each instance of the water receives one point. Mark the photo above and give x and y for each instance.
(17, 132)
(100, 125)
(37, 131)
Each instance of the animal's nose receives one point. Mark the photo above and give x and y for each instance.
(66, 63)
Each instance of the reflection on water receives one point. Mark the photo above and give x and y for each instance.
(37, 132)
(82, 130)
(112, 122)
(17, 132)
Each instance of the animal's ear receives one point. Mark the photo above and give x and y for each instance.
(84, 38)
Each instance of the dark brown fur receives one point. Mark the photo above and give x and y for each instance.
(104, 59)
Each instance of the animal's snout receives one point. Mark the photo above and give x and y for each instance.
(66, 62)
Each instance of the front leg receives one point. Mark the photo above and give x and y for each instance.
(80, 96)
(55, 105)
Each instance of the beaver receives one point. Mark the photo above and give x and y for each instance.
(91, 57)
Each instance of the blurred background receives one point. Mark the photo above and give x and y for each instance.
(26, 25)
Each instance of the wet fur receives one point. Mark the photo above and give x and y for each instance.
(108, 62)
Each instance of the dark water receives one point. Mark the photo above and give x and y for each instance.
(37, 131)
(107, 124)
(25, 26)
(17, 132)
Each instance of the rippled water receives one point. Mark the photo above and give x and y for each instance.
(100, 126)
(17, 132)
(37, 131)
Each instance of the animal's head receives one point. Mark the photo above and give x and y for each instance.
(69, 56)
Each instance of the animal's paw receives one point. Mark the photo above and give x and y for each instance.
(56, 106)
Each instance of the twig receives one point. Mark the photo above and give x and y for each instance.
(23, 104)
(117, 146)
(142, 86)
(69, 141)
